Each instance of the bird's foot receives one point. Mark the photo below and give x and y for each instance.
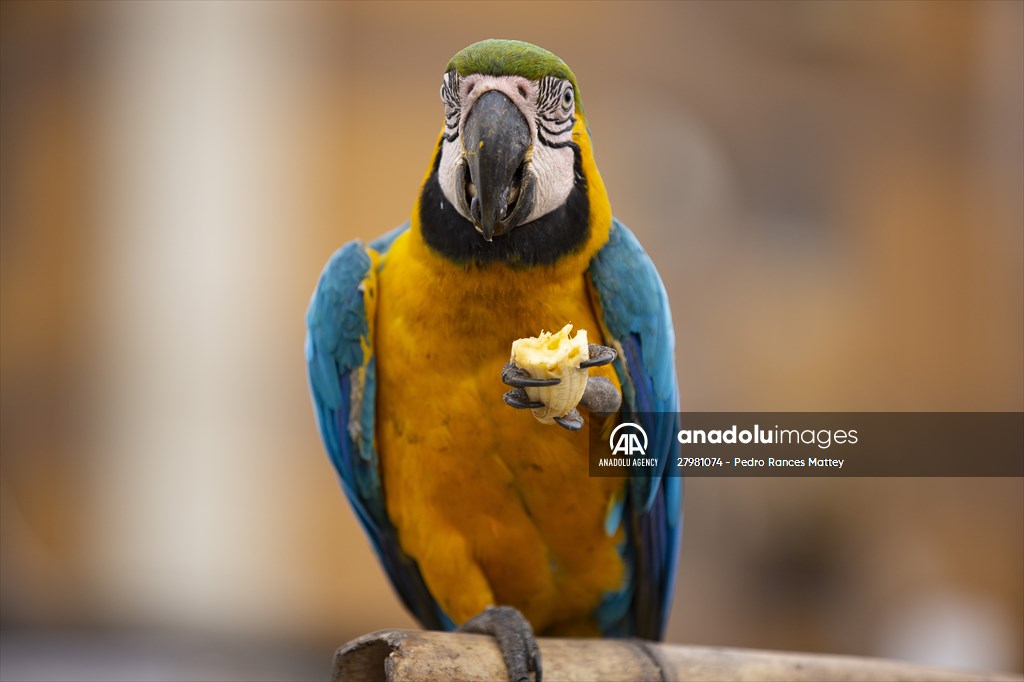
(571, 421)
(517, 377)
(514, 375)
(600, 394)
(599, 355)
(518, 399)
(515, 640)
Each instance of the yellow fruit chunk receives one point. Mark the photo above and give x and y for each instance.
(554, 356)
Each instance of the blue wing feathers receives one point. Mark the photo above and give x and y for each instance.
(614, 516)
(342, 378)
(636, 314)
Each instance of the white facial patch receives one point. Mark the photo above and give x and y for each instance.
(550, 116)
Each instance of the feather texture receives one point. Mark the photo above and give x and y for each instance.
(634, 310)
(342, 377)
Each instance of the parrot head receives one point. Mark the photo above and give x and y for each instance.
(513, 177)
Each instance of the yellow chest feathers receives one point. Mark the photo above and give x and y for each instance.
(466, 476)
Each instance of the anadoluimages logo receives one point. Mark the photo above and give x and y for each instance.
(626, 440)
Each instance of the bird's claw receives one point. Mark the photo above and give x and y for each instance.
(518, 399)
(599, 355)
(571, 421)
(517, 377)
(514, 637)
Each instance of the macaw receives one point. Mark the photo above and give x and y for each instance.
(485, 519)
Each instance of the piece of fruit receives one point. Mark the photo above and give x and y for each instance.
(549, 356)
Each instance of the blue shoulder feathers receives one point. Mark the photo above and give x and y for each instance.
(342, 377)
(636, 315)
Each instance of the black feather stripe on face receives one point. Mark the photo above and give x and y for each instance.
(540, 242)
(450, 97)
(549, 91)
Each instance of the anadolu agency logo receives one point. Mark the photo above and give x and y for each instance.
(628, 445)
(628, 439)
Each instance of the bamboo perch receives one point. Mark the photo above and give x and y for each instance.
(413, 655)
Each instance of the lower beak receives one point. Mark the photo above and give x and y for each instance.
(496, 139)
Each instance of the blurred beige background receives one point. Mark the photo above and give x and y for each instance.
(833, 195)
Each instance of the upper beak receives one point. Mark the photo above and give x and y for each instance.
(497, 139)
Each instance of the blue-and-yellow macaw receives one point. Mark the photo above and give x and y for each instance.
(485, 519)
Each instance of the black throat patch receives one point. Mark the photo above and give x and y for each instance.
(541, 242)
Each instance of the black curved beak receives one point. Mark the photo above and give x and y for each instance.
(497, 139)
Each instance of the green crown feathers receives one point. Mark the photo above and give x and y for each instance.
(512, 58)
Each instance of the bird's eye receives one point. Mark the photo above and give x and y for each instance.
(567, 99)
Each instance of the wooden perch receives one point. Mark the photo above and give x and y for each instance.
(413, 655)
